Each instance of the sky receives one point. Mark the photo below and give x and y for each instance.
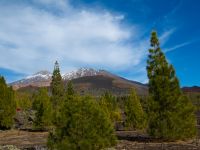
(102, 34)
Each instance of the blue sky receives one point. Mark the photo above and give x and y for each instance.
(102, 34)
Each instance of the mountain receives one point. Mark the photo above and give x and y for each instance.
(89, 81)
(85, 81)
(193, 89)
(39, 79)
(104, 81)
(82, 72)
(43, 78)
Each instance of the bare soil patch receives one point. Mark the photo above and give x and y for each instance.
(132, 145)
(128, 140)
(23, 139)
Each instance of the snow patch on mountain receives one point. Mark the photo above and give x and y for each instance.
(45, 76)
(82, 72)
(42, 74)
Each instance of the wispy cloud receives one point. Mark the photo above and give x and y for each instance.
(32, 38)
(179, 46)
(34, 35)
(166, 35)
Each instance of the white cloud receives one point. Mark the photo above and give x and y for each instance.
(60, 4)
(32, 39)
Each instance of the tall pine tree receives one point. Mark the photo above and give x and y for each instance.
(57, 86)
(171, 115)
(57, 90)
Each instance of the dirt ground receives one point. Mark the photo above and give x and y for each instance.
(132, 140)
(37, 140)
(23, 139)
(131, 145)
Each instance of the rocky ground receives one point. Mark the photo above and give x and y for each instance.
(130, 140)
(23, 139)
(17, 139)
(131, 145)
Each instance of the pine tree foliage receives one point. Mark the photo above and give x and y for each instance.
(43, 107)
(79, 122)
(57, 86)
(7, 105)
(167, 103)
(70, 90)
(57, 91)
(23, 100)
(135, 116)
(82, 125)
(110, 106)
(186, 117)
(195, 98)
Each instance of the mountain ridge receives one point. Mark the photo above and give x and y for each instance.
(44, 76)
(85, 80)
(89, 81)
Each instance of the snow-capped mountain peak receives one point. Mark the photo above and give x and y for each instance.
(81, 72)
(43, 78)
(41, 74)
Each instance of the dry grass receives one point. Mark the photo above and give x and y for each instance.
(26, 139)
(23, 138)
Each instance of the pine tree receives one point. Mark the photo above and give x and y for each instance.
(135, 116)
(82, 125)
(7, 105)
(23, 100)
(109, 104)
(57, 86)
(70, 89)
(57, 90)
(43, 108)
(166, 103)
(38, 122)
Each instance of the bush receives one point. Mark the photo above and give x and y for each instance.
(82, 125)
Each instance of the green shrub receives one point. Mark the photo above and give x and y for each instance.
(82, 125)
